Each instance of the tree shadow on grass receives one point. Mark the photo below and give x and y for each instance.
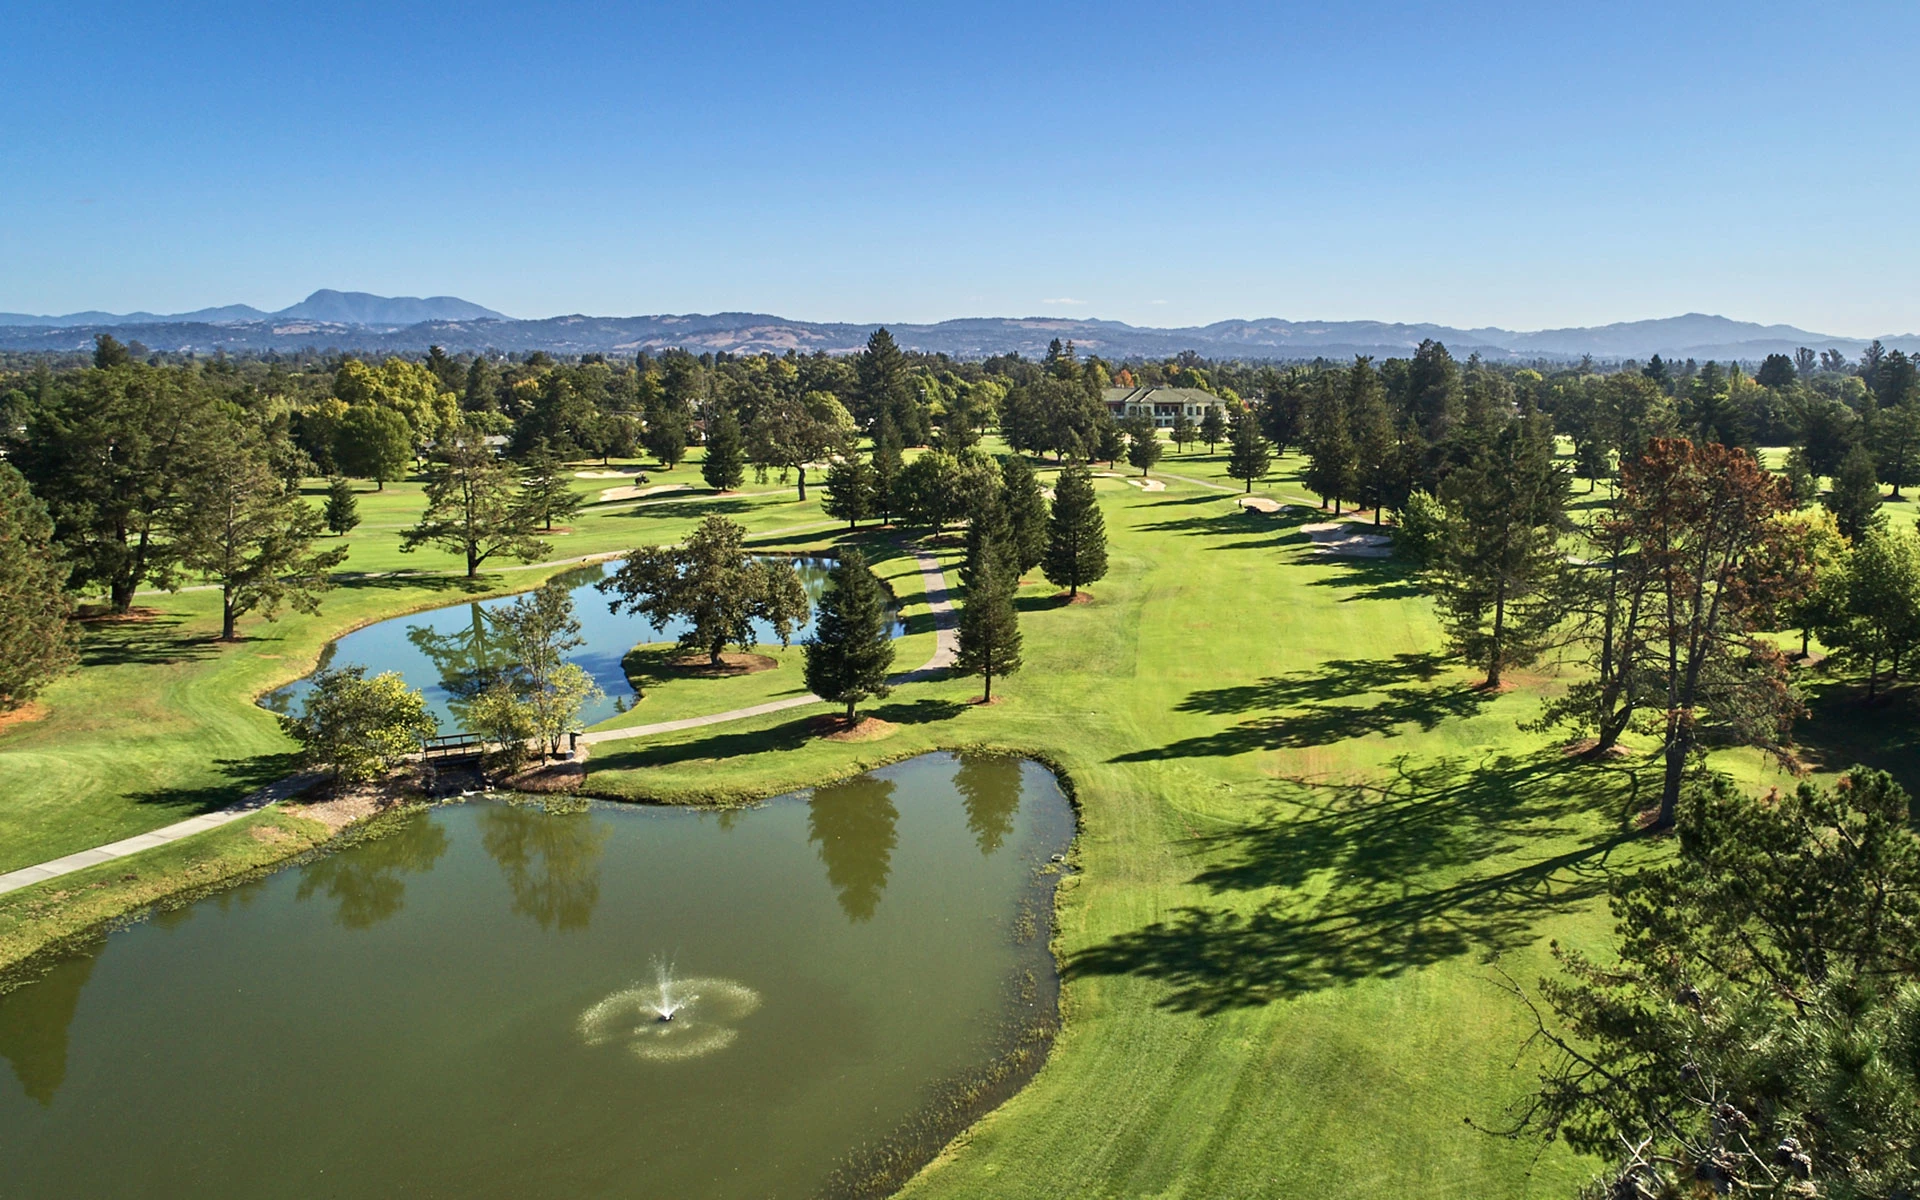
(157, 641)
(1370, 578)
(1311, 712)
(924, 711)
(723, 506)
(1434, 864)
(1843, 727)
(236, 779)
(789, 735)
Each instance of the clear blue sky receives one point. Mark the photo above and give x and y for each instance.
(1524, 164)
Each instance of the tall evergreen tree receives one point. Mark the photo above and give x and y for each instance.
(244, 532)
(1250, 454)
(472, 509)
(342, 512)
(1026, 507)
(1331, 466)
(546, 488)
(1855, 499)
(849, 654)
(887, 466)
(850, 495)
(1143, 443)
(725, 466)
(1184, 432)
(37, 639)
(1213, 426)
(1076, 532)
(1495, 595)
(989, 624)
(1376, 448)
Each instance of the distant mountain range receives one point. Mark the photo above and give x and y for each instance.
(357, 321)
(327, 305)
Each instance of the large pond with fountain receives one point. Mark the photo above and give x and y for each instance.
(494, 1000)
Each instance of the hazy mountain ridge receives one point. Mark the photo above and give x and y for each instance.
(341, 308)
(362, 322)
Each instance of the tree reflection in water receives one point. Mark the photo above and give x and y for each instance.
(34, 1022)
(989, 786)
(551, 861)
(365, 879)
(852, 824)
(468, 659)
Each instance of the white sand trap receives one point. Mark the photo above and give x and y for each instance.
(1147, 485)
(603, 474)
(1348, 540)
(636, 493)
(1260, 504)
(1048, 493)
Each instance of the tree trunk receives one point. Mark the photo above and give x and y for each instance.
(121, 595)
(473, 563)
(986, 686)
(1249, 485)
(1670, 785)
(803, 481)
(852, 717)
(713, 653)
(228, 618)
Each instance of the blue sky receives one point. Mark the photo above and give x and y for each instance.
(1525, 165)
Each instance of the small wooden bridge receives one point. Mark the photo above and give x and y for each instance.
(453, 748)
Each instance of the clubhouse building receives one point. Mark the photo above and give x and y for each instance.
(1162, 404)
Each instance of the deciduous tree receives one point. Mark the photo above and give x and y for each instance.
(357, 728)
(712, 584)
(37, 638)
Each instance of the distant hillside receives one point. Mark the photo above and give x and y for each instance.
(376, 324)
(339, 308)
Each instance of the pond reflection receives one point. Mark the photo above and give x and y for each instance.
(34, 1022)
(852, 826)
(468, 655)
(367, 884)
(989, 787)
(551, 861)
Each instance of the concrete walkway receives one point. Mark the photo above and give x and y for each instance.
(80, 860)
(946, 643)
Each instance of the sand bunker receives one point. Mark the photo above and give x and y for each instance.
(603, 474)
(1260, 504)
(1348, 540)
(1147, 485)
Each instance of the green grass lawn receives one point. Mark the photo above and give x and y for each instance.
(1310, 849)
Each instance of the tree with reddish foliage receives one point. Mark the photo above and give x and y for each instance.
(1693, 567)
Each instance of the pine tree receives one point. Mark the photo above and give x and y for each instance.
(37, 638)
(850, 496)
(849, 654)
(1251, 454)
(1076, 532)
(724, 467)
(1855, 499)
(886, 467)
(1213, 426)
(545, 489)
(343, 511)
(1331, 467)
(1026, 508)
(1112, 443)
(989, 625)
(1185, 432)
(1143, 443)
(1496, 577)
(1376, 449)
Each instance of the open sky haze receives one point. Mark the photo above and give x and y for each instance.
(1520, 164)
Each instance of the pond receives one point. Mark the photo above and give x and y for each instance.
(451, 653)
(467, 1007)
